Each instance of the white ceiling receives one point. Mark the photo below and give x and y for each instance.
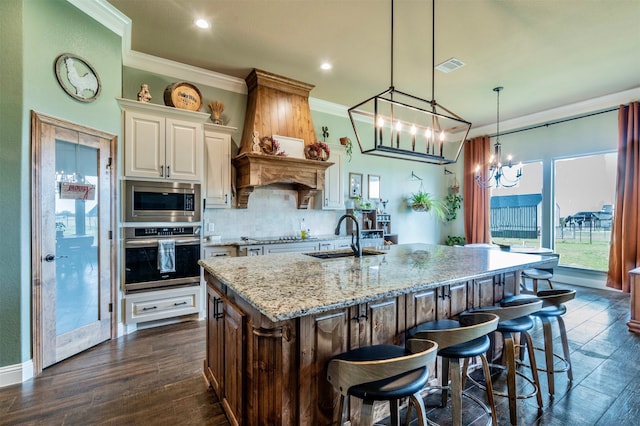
(546, 53)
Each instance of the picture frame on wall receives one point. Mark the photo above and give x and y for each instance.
(374, 187)
(355, 185)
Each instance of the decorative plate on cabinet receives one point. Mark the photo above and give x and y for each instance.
(183, 95)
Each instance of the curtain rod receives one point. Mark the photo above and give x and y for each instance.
(551, 123)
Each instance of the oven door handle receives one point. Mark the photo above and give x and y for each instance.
(154, 242)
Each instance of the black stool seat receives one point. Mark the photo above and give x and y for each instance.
(516, 325)
(395, 387)
(468, 349)
(551, 311)
(540, 274)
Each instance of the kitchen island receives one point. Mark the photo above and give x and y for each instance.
(274, 321)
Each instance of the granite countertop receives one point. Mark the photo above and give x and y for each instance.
(291, 285)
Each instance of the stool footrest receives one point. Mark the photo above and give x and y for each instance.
(503, 394)
(559, 357)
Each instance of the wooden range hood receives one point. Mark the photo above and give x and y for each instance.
(277, 106)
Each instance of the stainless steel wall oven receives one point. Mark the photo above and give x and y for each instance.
(142, 249)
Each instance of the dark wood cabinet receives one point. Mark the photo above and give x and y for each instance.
(225, 353)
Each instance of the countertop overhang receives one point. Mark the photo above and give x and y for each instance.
(292, 285)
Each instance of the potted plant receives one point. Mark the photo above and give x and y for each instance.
(453, 201)
(455, 240)
(348, 147)
(424, 202)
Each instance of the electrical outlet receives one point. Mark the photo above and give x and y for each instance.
(212, 227)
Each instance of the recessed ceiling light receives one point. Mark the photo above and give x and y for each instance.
(202, 23)
(326, 66)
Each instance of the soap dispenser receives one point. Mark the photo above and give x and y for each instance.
(303, 229)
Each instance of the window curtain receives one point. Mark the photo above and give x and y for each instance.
(624, 252)
(476, 199)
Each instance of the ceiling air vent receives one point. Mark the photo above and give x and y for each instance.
(449, 65)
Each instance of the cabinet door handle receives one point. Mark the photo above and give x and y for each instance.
(150, 308)
(179, 303)
(219, 311)
(220, 255)
(168, 171)
(161, 171)
(226, 196)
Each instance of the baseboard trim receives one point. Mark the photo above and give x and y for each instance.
(17, 373)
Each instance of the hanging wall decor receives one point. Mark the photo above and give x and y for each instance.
(77, 77)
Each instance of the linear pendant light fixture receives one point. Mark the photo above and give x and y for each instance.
(498, 174)
(399, 125)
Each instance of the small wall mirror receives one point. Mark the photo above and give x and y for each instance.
(374, 187)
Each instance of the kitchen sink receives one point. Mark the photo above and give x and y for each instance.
(342, 253)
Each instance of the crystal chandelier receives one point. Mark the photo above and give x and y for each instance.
(399, 125)
(500, 175)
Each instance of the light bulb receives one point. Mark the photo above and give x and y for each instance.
(413, 129)
(380, 122)
(398, 126)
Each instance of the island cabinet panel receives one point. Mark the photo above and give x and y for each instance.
(380, 322)
(421, 307)
(452, 299)
(483, 291)
(214, 363)
(225, 353)
(233, 362)
(321, 337)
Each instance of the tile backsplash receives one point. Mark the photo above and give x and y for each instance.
(271, 212)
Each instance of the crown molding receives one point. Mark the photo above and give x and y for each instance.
(120, 24)
(182, 71)
(327, 107)
(566, 111)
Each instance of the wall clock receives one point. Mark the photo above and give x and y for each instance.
(77, 77)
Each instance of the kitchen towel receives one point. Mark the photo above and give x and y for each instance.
(166, 256)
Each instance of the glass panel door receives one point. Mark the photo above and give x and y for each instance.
(76, 208)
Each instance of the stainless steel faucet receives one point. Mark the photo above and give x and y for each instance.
(355, 245)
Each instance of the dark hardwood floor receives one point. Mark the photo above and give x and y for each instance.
(155, 377)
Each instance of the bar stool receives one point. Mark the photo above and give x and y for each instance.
(541, 273)
(460, 339)
(383, 373)
(534, 275)
(553, 308)
(515, 318)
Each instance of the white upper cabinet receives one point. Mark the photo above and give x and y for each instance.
(217, 154)
(333, 194)
(162, 142)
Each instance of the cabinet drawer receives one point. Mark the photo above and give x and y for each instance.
(219, 251)
(161, 304)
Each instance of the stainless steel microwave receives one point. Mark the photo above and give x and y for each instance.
(161, 201)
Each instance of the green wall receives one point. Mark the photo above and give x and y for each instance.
(13, 308)
(33, 34)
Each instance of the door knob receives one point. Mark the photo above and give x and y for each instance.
(49, 258)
